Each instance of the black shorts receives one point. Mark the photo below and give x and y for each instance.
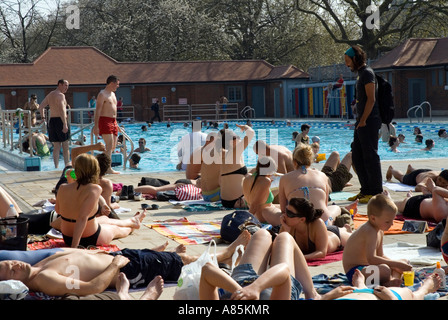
(412, 206)
(410, 179)
(146, 264)
(55, 134)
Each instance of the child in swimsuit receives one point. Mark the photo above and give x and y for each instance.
(359, 251)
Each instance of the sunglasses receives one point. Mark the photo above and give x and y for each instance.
(291, 214)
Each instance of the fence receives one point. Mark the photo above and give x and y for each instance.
(187, 112)
(16, 129)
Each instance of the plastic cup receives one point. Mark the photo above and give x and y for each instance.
(408, 277)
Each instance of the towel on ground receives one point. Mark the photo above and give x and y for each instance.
(186, 232)
(417, 254)
(330, 257)
(397, 186)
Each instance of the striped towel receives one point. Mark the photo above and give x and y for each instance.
(186, 232)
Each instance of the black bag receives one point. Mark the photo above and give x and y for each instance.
(385, 100)
(434, 237)
(13, 233)
(166, 195)
(155, 182)
(233, 223)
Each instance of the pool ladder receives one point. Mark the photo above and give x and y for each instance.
(126, 157)
(420, 108)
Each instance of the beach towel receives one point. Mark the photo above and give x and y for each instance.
(330, 257)
(399, 187)
(417, 254)
(340, 196)
(198, 205)
(397, 226)
(59, 243)
(187, 232)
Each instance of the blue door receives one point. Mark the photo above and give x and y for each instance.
(277, 105)
(417, 93)
(258, 101)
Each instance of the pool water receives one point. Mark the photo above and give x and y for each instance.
(334, 136)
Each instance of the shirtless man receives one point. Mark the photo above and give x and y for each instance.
(419, 177)
(106, 116)
(210, 169)
(58, 130)
(281, 154)
(83, 272)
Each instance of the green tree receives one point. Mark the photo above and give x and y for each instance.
(351, 21)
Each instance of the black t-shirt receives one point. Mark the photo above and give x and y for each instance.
(365, 76)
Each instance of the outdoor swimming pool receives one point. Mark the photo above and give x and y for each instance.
(334, 136)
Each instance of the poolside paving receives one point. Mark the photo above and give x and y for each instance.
(30, 187)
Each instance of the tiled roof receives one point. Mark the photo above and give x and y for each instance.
(89, 66)
(415, 52)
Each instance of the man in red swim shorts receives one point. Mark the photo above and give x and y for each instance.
(106, 116)
(107, 125)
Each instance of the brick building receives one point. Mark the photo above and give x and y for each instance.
(253, 83)
(418, 72)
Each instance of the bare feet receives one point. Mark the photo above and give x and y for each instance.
(112, 171)
(154, 289)
(243, 239)
(353, 206)
(358, 279)
(138, 218)
(181, 249)
(122, 286)
(162, 247)
(389, 173)
(431, 284)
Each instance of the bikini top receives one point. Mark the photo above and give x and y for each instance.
(311, 244)
(242, 171)
(90, 218)
(306, 191)
(270, 196)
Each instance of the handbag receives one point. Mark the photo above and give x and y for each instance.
(188, 192)
(434, 237)
(190, 275)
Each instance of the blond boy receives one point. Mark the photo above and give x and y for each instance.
(364, 248)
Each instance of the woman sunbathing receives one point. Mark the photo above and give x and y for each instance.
(315, 239)
(258, 194)
(78, 205)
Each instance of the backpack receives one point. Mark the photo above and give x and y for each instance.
(234, 223)
(385, 100)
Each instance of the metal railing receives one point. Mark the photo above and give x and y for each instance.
(187, 112)
(13, 133)
(418, 108)
(15, 130)
(247, 112)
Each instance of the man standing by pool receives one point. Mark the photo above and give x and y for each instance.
(366, 160)
(58, 130)
(106, 116)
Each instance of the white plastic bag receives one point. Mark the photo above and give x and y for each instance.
(190, 276)
(12, 290)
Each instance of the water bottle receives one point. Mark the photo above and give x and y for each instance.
(12, 213)
(11, 230)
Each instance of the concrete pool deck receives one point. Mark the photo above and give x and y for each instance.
(30, 187)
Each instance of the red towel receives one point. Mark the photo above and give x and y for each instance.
(331, 257)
